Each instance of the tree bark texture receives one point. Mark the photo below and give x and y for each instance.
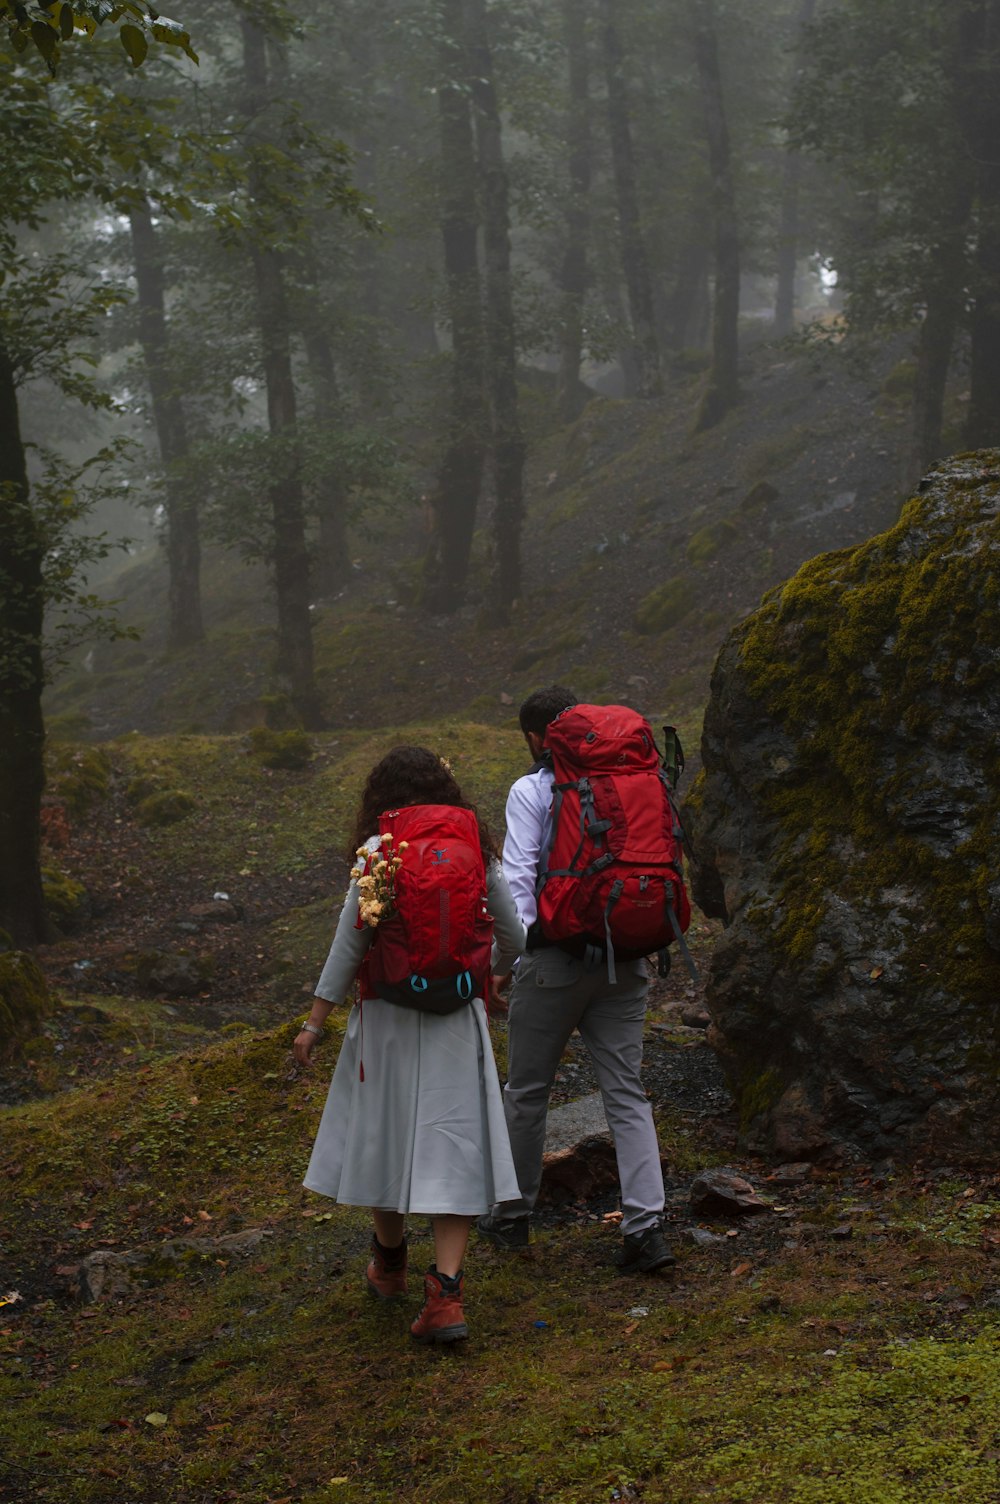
(332, 564)
(788, 233)
(291, 556)
(945, 293)
(184, 624)
(22, 730)
(981, 46)
(723, 388)
(460, 476)
(501, 345)
(635, 264)
(573, 277)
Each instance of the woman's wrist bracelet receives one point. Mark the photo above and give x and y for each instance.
(308, 1028)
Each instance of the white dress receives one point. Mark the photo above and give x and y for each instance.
(424, 1131)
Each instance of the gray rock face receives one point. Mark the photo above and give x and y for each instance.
(846, 828)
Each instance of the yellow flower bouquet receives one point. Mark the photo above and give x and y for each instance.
(376, 880)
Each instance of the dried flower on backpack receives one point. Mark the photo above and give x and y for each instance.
(376, 880)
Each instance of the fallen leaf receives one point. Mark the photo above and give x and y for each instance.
(157, 1418)
(741, 1269)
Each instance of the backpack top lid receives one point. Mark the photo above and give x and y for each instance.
(605, 737)
(428, 819)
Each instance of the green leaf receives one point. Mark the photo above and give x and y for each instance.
(66, 22)
(135, 44)
(45, 40)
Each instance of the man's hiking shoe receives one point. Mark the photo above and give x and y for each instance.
(386, 1272)
(441, 1317)
(645, 1251)
(511, 1232)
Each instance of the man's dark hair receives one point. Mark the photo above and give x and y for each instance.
(543, 706)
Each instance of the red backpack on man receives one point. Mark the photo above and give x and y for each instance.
(433, 951)
(613, 879)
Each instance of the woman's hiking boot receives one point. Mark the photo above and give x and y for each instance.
(441, 1318)
(645, 1251)
(386, 1272)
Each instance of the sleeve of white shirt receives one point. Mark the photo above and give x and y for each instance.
(528, 824)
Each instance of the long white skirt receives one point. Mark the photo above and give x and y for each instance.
(424, 1131)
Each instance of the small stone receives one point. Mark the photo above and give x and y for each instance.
(721, 1193)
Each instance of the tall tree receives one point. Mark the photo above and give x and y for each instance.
(460, 475)
(791, 179)
(185, 625)
(980, 23)
(45, 157)
(573, 277)
(290, 551)
(501, 335)
(646, 353)
(22, 729)
(723, 384)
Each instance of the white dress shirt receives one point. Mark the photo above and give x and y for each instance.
(525, 848)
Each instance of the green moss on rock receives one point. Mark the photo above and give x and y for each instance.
(66, 900)
(711, 540)
(24, 1001)
(281, 749)
(166, 808)
(79, 776)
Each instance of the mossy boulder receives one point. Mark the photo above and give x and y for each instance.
(711, 540)
(166, 807)
(845, 828)
(67, 901)
(280, 749)
(24, 1001)
(79, 776)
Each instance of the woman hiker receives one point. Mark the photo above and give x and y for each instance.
(414, 1120)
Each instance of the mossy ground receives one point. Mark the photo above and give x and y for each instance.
(830, 1369)
(833, 1369)
(782, 1363)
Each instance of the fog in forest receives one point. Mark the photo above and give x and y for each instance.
(305, 296)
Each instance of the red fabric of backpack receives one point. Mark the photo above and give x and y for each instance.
(433, 952)
(614, 874)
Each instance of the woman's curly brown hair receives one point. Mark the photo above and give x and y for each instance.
(411, 775)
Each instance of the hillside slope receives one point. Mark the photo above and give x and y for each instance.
(643, 544)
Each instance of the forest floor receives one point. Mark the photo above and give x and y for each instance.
(837, 1347)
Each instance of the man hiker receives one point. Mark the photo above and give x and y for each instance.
(554, 992)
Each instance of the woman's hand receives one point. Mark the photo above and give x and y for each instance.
(308, 1037)
(498, 1000)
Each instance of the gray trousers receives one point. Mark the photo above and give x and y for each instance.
(552, 995)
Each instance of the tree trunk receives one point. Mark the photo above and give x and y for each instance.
(22, 730)
(332, 564)
(981, 24)
(291, 556)
(945, 299)
(788, 234)
(573, 273)
(184, 625)
(634, 262)
(723, 387)
(501, 345)
(460, 477)
(687, 316)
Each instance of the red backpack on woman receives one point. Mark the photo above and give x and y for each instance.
(433, 951)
